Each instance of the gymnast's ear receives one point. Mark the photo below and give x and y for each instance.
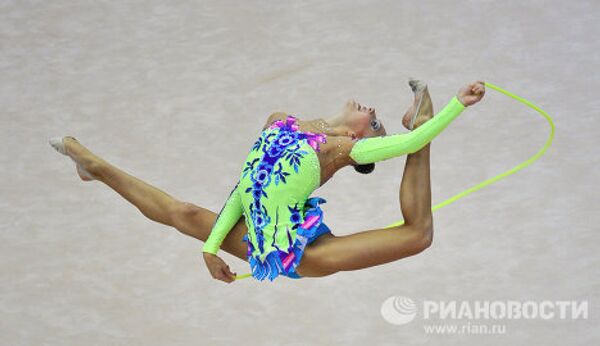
(365, 169)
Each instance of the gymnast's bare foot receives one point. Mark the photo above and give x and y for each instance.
(84, 158)
(425, 109)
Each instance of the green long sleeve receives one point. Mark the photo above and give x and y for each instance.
(226, 220)
(374, 149)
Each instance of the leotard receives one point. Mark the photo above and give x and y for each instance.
(280, 172)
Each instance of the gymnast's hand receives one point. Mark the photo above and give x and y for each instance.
(218, 268)
(471, 94)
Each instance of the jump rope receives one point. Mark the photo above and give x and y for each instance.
(494, 179)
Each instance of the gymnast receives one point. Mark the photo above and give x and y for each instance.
(269, 220)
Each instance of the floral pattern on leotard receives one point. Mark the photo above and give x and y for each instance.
(275, 147)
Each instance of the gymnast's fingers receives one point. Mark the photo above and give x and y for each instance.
(473, 87)
(481, 90)
(222, 275)
(229, 276)
(229, 273)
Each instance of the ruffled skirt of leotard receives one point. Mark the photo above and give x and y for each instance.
(279, 262)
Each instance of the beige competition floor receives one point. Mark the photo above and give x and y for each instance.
(175, 93)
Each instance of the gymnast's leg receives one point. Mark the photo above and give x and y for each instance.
(374, 247)
(155, 204)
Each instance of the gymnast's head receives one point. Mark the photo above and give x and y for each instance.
(360, 121)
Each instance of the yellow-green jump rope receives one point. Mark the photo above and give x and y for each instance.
(497, 177)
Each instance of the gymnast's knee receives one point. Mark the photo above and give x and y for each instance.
(180, 214)
(425, 236)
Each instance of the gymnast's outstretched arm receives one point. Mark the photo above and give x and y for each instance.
(226, 220)
(374, 149)
(224, 223)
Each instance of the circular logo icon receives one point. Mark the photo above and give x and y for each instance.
(398, 310)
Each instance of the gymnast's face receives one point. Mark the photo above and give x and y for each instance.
(362, 120)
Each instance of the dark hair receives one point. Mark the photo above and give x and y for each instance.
(365, 169)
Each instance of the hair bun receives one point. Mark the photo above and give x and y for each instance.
(365, 169)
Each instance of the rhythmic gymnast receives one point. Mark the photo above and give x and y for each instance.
(269, 219)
